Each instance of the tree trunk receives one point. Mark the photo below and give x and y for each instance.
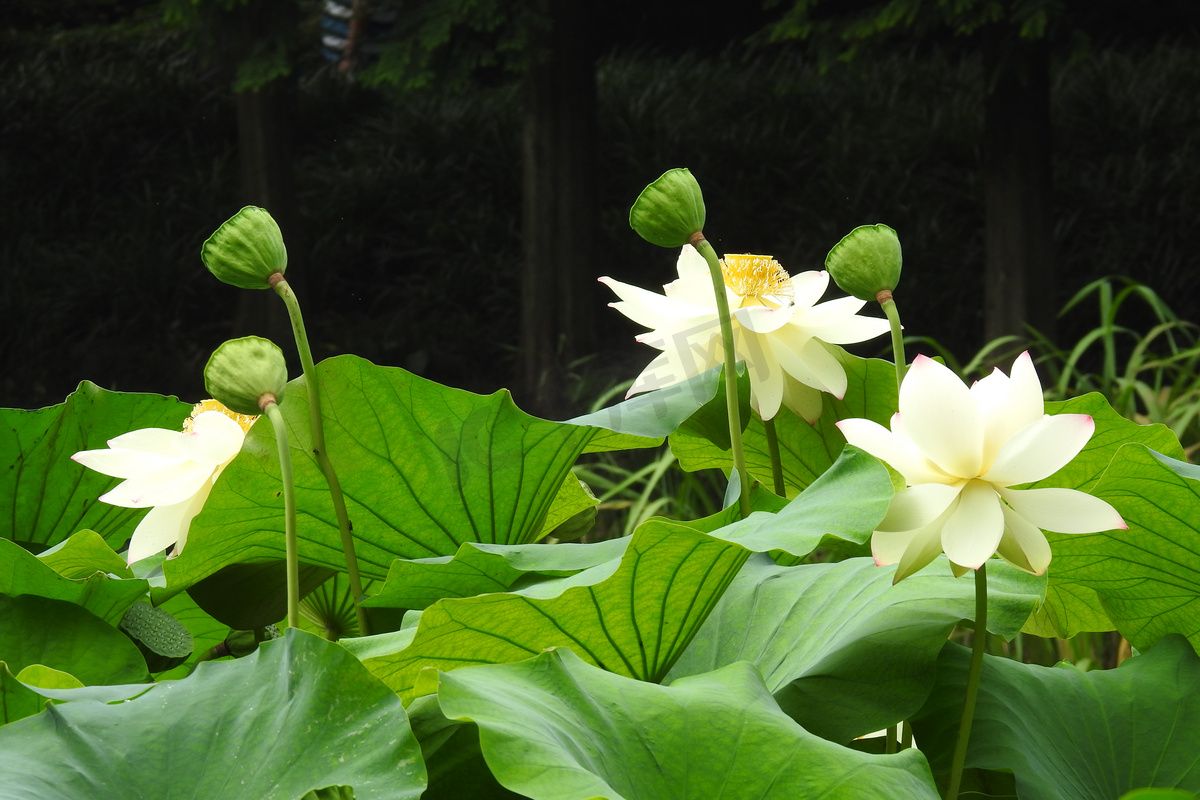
(1020, 271)
(558, 271)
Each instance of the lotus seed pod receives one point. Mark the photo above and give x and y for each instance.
(164, 641)
(242, 372)
(866, 261)
(247, 250)
(670, 210)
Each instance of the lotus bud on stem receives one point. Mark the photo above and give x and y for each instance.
(670, 213)
(249, 376)
(247, 251)
(866, 263)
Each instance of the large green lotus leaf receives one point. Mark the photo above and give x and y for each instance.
(844, 651)
(635, 622)
(66, 637)
(1146, 577)
(299, 714)
(1073, 735)
(423, 467)
(646, 419)
(845, 503)
(23, 573)
(1112, 432)
(805, 450)
(44, 495)
(557, 728)
(1072, 607)
(84, 554)
(486, 568)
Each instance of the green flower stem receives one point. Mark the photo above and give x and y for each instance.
(889, 745)
(271, 409)
(776, 463)
(280, 284)
(731, 393)
(889, 309)
(968, 715)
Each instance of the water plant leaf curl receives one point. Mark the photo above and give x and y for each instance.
(635, 622)
(843, 650)
(424, 469)
(311, 695)
(557, 728)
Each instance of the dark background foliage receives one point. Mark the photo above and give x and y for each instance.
(118, 158)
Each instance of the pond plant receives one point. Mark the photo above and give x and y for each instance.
(362, 584)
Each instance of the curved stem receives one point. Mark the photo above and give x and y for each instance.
(893, 316)
(776, 462)
(284, 290)
(731, 394)
(289, 512)
(977, 647)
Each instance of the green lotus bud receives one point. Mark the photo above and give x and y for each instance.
(247, 250)
(242, 372)
(866, 261)
(670, 210)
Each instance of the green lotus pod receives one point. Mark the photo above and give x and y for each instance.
(866, 261)
(247, 250)
(670, 210)
(163, 640)
(241, 372)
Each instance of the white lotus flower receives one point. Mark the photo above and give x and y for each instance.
(779, 330)
(170, 472)
(961, 450)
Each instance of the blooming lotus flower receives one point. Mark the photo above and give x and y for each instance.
(961, 451)
(170, 472)
(779, 330)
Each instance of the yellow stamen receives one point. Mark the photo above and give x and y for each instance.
(244, 420)
(756, 276)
